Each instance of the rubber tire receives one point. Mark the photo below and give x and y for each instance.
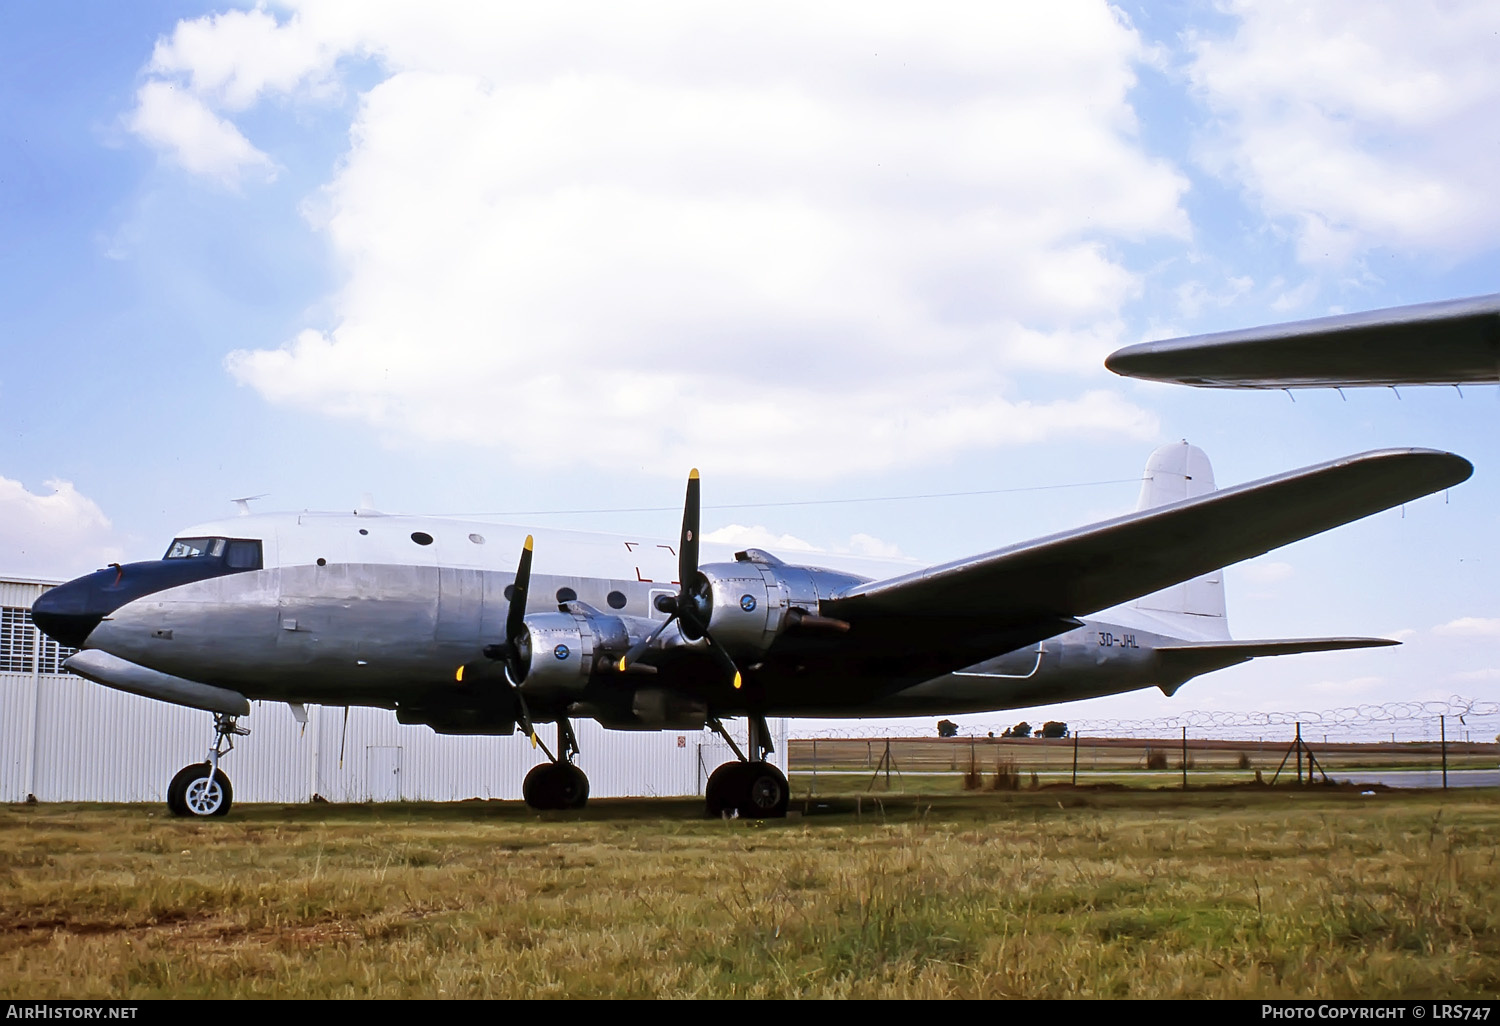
(177, 793)
(555, 785)
(764, 792)
(725, 790)
(571, 786)
(536, 789)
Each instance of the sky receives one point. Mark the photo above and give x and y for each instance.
(860, 263)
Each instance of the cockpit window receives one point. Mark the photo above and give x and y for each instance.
(244, 555)
(188, 548)
(239, 554)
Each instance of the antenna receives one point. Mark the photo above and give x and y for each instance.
(244, 503)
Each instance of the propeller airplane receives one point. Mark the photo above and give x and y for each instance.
(429, 617)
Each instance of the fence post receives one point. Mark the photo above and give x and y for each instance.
(1443, 734)
(1075, 760)
(1184, 758)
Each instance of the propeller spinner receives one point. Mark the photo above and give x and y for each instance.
(514, 652)
(693, 604)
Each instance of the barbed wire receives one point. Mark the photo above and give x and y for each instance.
(1466, 719)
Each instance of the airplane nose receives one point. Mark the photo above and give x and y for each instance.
(69, 612)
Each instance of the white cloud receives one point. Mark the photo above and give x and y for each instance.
(55, 536)
(178, 123)
(236, 56)
(1470, 627)
(743, 537)
(1489, 673)
(1363, 123)
(813, 238)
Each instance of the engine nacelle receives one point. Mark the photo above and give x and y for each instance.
(562, 650)
(753, 597)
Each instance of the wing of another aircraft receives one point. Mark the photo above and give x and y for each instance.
(1092, 568)
(1450, 342)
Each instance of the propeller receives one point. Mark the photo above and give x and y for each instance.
(514, 652)
(693, 604)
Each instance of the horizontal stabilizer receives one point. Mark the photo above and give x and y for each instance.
(1240, 650)
(1187, 659)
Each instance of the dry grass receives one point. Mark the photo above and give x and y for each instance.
(1017, 893)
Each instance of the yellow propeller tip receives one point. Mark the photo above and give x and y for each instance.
(621, 664)
(459, 675)
(736, 680)
(528, 543)
(533, 740)
(693, 474)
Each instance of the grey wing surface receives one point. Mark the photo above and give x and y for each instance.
(1449, 342)
(1039, 587)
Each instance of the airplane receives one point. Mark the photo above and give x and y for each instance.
(1452, 342)
(426, 616)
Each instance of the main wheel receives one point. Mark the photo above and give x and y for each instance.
(725, 789)
(764, 792)
(194, 793)
(571, 785)
(537, 787)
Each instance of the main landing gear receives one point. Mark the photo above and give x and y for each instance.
(752, 787)
(557, 784)
(202, 789)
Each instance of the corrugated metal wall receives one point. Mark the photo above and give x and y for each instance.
(66, 739)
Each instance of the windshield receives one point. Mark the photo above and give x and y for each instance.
(187, 548)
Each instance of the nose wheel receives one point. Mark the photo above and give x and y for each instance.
(202, 789)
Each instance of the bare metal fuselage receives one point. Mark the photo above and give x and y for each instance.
(385, 635)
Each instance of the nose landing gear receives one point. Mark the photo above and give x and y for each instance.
(202, 789)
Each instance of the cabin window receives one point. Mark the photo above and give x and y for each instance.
(616, 600)
(566, 594)
(421, 537)
(477, 539)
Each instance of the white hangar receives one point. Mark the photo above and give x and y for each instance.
(66, 739)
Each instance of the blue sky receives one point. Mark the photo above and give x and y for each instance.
(489, 258)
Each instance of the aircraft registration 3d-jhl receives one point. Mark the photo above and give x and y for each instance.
(435, 619)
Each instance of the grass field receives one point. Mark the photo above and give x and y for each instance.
(1044, 893)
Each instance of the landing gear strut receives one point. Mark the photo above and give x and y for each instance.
(202, 789)
(753, 788)
(557, 784)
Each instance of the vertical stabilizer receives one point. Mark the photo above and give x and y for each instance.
(1173, 473)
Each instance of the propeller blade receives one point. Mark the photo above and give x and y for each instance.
(725, 660)
(687, 548)
(516, 613)
(640, 647)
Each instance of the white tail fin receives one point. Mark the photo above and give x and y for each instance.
(1173, 473)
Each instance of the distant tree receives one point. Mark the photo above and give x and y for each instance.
(947, 728)
(1022, 729)
(1054, 729)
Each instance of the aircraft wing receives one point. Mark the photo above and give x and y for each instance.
(1078, 572)
(1449, 342)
